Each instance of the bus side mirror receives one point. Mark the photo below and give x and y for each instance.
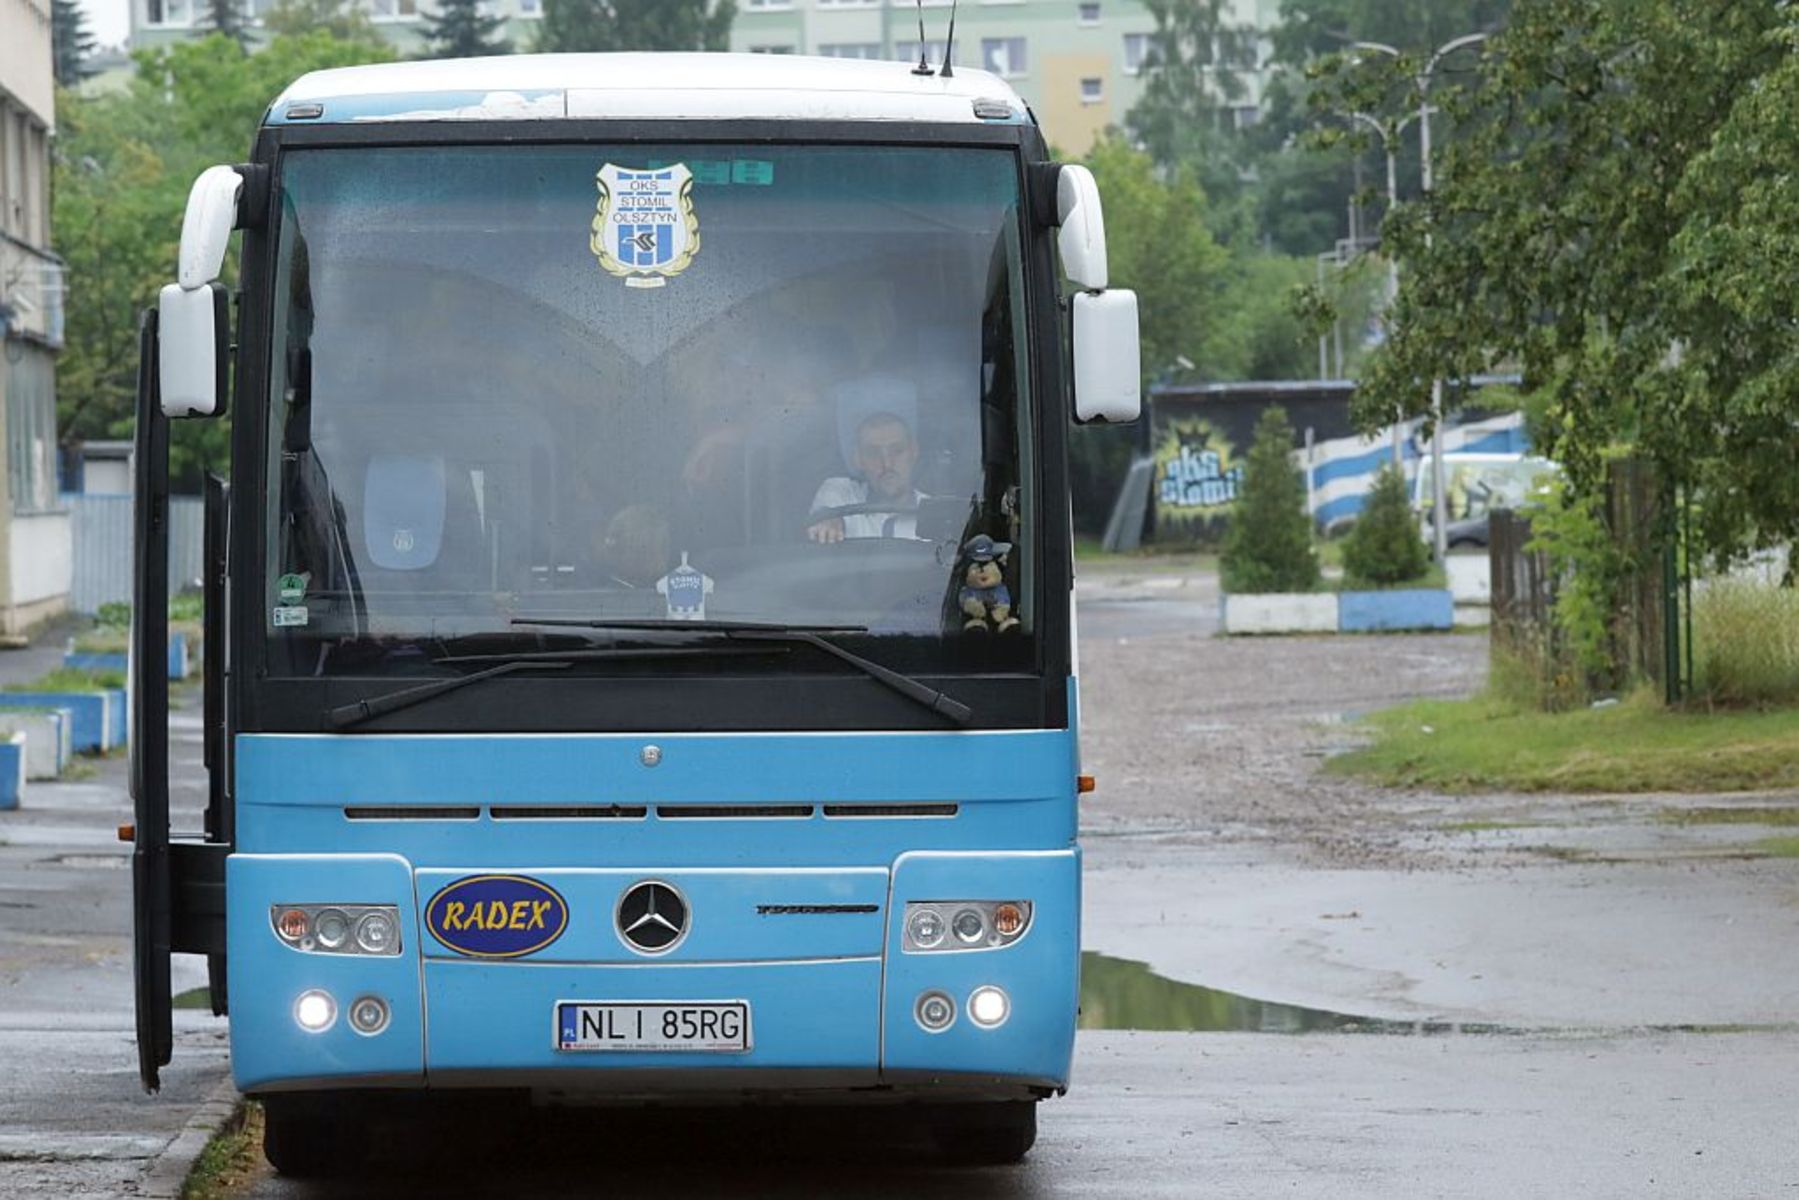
(193, 349)
(1108, 362)
(193, 315)
(1082, 239)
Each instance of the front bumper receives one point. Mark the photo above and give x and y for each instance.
(831, 995)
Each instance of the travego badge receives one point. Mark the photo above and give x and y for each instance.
(496, 916)
(645, 229)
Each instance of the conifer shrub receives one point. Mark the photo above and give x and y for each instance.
(1268, 547)
(1384, 548)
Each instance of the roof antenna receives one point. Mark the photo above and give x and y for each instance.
(949, 47)
(924, 64)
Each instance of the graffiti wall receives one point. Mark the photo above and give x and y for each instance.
(1202, 436)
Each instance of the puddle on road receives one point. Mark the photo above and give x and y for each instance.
(1117, 993)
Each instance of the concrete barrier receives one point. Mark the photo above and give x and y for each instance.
(12, 770)
(118, 717)
(49, 740)
(91, 715)
(1409, 608)
(1280, 612)
(180, 658)
(1470, 577)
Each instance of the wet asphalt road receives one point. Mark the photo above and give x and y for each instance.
(1578, 1100)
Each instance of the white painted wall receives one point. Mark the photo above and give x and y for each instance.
(106, 476)
(42, 557)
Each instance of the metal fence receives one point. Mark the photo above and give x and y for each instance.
(102, 535)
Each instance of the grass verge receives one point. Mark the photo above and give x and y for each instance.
(73, 679)
(1487, 744)
(1779, 847)
(232, 1158)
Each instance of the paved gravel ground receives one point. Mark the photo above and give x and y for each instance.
(1220, 739)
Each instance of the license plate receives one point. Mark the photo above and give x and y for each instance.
(713, 1026)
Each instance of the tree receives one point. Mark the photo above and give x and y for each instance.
(1612, 218)
(226, 17)
(71, 42)
(460, 29)
(1191, 75)
(1268, 547)
(578, 25)
(1383, 548)
(343, 20)
(123, 165)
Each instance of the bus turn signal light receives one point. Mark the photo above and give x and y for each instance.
(1084, 784)
(128, 833)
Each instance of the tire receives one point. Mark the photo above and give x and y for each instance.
(304, 1140)
(986, 1135)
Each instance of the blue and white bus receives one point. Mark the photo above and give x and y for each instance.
(640, 641)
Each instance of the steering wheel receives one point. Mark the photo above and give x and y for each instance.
(821, 515)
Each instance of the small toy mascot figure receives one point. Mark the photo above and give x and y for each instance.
(984, 597)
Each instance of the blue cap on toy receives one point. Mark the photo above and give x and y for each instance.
(981, 548)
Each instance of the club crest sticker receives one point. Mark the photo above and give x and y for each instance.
(645, 229)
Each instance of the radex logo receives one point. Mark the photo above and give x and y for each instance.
(496, 916)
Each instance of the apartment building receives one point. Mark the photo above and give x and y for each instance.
(1076, 62)
(34, 530)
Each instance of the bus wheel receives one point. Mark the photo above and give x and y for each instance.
(990, 1134)
(304, 1140)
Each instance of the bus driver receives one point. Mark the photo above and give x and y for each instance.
(885, 456)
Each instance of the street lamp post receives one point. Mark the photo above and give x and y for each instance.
(1439, 497)
(1389, 134)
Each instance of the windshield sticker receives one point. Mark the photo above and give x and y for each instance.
(686, 588)
(645, 229)
(290, 616)
(291, 588)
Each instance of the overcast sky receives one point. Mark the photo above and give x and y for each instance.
(109, 19)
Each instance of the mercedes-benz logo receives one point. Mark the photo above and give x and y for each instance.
(652, 917)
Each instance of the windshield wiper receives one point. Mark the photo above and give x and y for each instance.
(346, 715)
(355, 713)
(805, 635)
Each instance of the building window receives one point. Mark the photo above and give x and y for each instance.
(1088, 14)
(848, 3)
(769, 4)
(1246, 115)
(850, 50)
(1093, 90)
(908, 52)
(1005, 57)
(771, 49)
(530, 8)
(1136, 49)
(31, 430)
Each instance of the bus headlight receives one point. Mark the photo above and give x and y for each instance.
(314, 1011)
(934, 1011)
(338, 928)
(989, 1007)
(369, 1015)
(976, 924)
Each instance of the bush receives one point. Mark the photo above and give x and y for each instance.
(1384, 548)
(1268, 547)
(1746, 642)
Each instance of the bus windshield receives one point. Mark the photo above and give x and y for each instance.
(767, 383)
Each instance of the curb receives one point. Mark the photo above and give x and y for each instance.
(168, 1171)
